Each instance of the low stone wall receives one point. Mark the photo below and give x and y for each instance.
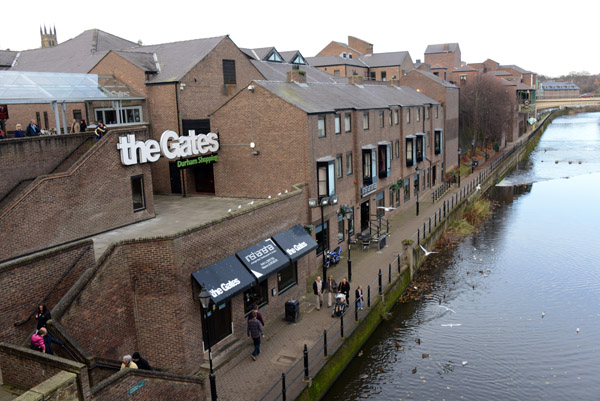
(60, 387)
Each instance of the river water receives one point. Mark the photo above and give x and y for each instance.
(513, 311)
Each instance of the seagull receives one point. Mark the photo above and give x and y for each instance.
(229, 211)
(386, 208)
(427, 253)
(451, 325)
(269, 197)
(464, 363)
(239, 206)
(251, 203)
(577, 330)
(415, 288)
(286, 191)
(543, 314)
(445, 307)
(279, 194)
(478, 187)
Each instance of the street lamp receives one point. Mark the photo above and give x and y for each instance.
(205, 301)
(418, 187)
(322, 202)
(459, 152)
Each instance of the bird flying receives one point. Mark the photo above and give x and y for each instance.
(427, 253)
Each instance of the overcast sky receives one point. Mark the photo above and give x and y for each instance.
(544, 36)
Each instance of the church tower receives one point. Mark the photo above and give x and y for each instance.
(48, 39)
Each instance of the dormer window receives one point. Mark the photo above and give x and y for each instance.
(275, 57)
(343, 54)
(299, 60)
(349, 55)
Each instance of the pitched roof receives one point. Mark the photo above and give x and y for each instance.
(499, 73)
(278, 72)
(177, 58)
(77, 55)
(516, 68)
(435, 78)
(7, 57)
(145, 61)
(384, 59)
(291, 55)
(319, 97)
(558, 86)
(325, 61)
(465, 68)
(442, 48)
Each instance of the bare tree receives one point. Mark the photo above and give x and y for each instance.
(486, 109)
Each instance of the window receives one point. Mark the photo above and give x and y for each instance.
(373, 76)
(274, 57)
(349, 55)
(383, 76)
(390, 118)
(396, 117)
(338, 166)
(428, 175)
(38, 121)
(380, 204)
(408, 116)
(128, 115)
(427, 112)
(406, 190)
(437, 141)
(347, 123)
(398, 195)
(369, 166)
(341, 227)
(336, 73)
(77, 115)
(463, 77)
(326, 178)
(419, 147)
(322, 236)
(385, 160)
(287, 277)
(350, 221)
(381, 119)
(321, 127)
(46, 124)
(397, 148)
(437, 111)
(338, 128)
(299, 60)
(257, 295)
(348, 163)
(392, 192)
(229, 72)
(418, 114)
(137, 193)
(409, 152)
(366, 120)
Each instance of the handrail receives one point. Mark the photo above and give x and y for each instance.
(54, 287)
(15, 187)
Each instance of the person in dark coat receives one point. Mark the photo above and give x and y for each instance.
(19, 132)
(100, 130)
(258, 315)
(42, 315)
(32, 129)
(140, 362)
(344, 288)
(82, 125)
(49, 339)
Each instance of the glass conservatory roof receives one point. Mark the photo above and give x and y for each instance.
(46, 87)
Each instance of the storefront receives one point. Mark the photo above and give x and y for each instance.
(247, 273)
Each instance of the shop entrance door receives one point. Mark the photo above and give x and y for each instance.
(219, 323)
(175, 178)
(205, 178)
(364, 216)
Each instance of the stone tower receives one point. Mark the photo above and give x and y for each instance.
(48, 39)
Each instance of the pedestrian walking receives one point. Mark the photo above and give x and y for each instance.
(75, 127)
(359, 297)
(42, 315)
(331, 287)
(255, 331)
(48, 340)
(318, 290)
(258, 315)
(82, 125)
(344, 288)
(100, 130)
(37, 341)
(140, 362)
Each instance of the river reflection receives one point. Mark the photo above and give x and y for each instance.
(501, 320)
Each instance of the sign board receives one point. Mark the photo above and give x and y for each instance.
(295, 242)
(138, 386)
(368, 189)
(3, 112)
(263, 258)
(197, 160)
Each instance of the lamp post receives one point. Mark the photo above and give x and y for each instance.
(459, 152)
(418, 187)
(205, 301)
(322, 202)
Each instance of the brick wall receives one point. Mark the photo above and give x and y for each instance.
(142, 299)
(93, 196)
(27, 158)
(26, 281)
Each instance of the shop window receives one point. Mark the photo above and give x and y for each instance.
(437, 141)
(322, 237)
(348, 163)
(350, 218)
(369, 166)
(366, 120)
(137, 193)
(257, 295)
(338, 166)
(338, 128)
(409, 152)
(321, 127)
(287, 277)
(381, 119)
(128, 115)
(326, 178)
(406, 190)
(341, 228)
(347, 123)
(385, 160)
(229, 72)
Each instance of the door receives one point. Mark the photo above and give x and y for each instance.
(205, 178)
(219, 323)
(175, 178)
(364, 216)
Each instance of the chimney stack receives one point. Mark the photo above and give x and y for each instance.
(296, 75)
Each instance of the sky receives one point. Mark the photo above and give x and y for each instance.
(544, 36)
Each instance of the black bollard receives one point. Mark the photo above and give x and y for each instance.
(305, 362)
(325, 343)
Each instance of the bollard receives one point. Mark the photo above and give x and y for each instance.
(425, 231)
(418, 235)
(390, 273)
(283, 396)
(342, 325)
(430, 224)
(380, 285)
(325, 343)
(399, 266)
(356, 310)
(349, 268)
(305, 362)
(369, 295)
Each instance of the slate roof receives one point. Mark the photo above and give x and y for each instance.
(77, 55)
(499, 73)
(143, 60)
(465, 68)
(326, 61)
(278, 72)
(435, 78)
(442, 48)
(384, 59)
(319, 97)
(558, 86)
(516, 68)
(6, 58)
(289, 56)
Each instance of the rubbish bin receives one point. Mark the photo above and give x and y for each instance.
(292, 310)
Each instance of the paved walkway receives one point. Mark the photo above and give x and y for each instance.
(241, 378)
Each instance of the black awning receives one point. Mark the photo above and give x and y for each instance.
(263, 259)
(224, 279)
(295, 242)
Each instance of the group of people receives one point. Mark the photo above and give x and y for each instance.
(135, 361)
(33, 130)
(42, 340)
(80, 126)
(333, 289)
